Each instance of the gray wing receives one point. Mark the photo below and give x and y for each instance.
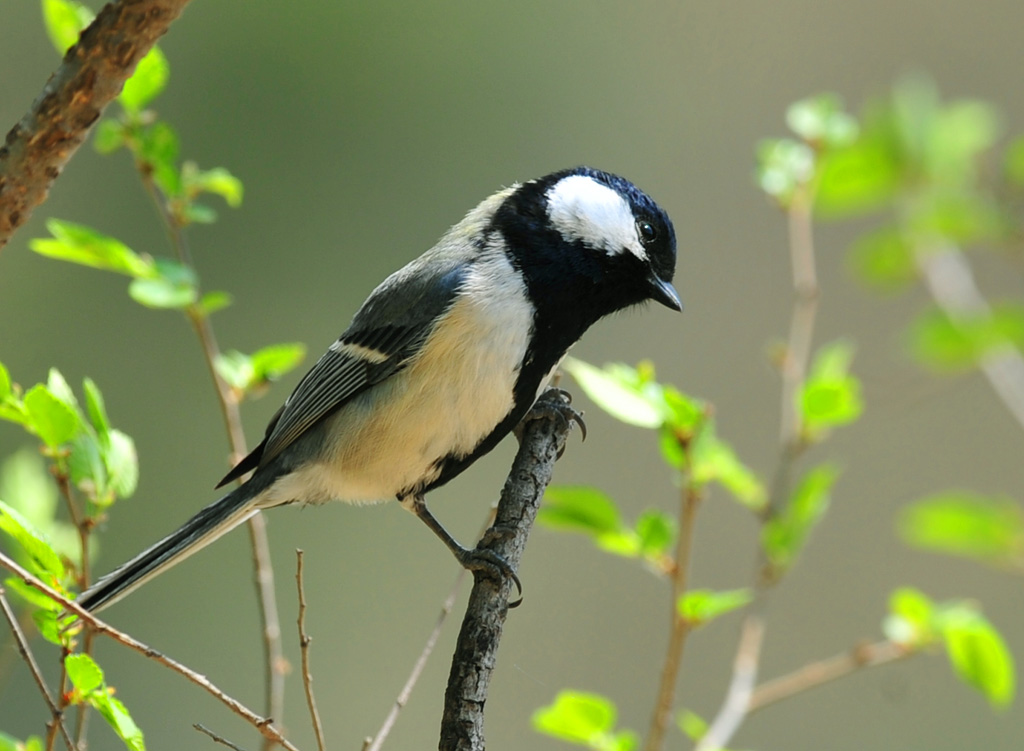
(385, 335)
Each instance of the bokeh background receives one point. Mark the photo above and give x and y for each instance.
(362, 130)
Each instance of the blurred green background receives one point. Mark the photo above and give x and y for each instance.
(362, 130)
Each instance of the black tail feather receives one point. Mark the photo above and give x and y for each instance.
(210, 523)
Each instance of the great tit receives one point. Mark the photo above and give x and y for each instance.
(444, 358)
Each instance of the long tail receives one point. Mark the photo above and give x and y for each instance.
(213, 521)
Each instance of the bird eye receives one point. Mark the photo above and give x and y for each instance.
(647, 232)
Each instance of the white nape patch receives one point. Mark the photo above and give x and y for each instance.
(581, 208)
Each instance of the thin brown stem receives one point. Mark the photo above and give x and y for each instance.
(275, 664)
(304, 641)
(825, 671)
(216, 738)
(263, 724)
(680, 629)
(56, 714)
(377, 741)
(791, 438)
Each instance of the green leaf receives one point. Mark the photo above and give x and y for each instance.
(83, 672)
(80, 244)
(616, 389)
(586, 719)
(713, 460)
(57, 385)
(784, 165)
(884, 258)
(1014, 164)
(211, 302)
(579, 509)
(174, 286)
(978, 654)
(31, 595)
(967, 524)
(148, 80)
(86, 468)
(122, 464)
(116, 714)
(821, 121)
(692, 724)
(49, 417)
(590, 512)
(856, 179)
(235, 368)
(217, 181)
(95, 407)
(656, 531)
(940, 342)
(784, 535)
(911, 621)
(197, 213)
(64, 21)
(698, 606)
(35, 544)
(830, 396)
(270, 363)
(46, 624)
(109, 136)
(5, 383)
(157, 147)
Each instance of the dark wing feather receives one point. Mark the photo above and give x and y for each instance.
(394, 322)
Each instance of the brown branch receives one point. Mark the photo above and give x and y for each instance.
(91, 75)
(263, 724)
(689, 503)
(544, 434)
(824, 671)
(304, 641)
(741, 687)
(56, 714)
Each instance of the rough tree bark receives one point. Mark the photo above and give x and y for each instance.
(543, 437)
(91, 75)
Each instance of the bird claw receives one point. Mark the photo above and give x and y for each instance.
(555, 403)
(491, 564)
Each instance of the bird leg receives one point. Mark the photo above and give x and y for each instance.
(475, 559)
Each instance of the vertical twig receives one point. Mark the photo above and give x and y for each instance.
(794, 372)
(680, 629)
(304, 641)
(56, 714)
(274, 662)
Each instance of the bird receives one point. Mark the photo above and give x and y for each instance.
(443, 359)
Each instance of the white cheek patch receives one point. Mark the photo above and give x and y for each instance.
(583, 209)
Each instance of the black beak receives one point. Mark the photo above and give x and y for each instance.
(665, 293)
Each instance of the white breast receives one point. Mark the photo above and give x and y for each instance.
(445, 402)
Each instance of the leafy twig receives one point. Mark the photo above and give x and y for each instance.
(304, 642)
(91, 74)
(56, 714)
(949, 279)
(263, 724)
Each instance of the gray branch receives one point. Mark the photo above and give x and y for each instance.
(91, 75)
(542, 439)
